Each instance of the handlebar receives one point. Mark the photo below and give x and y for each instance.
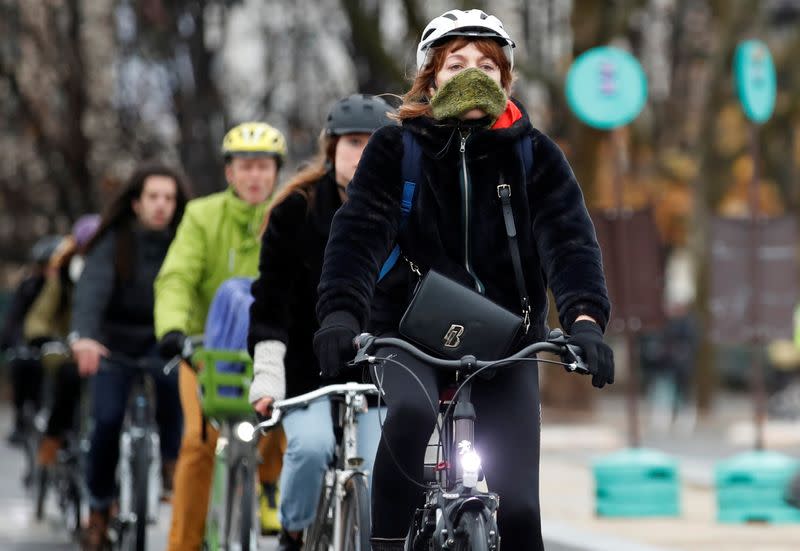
(282, 406)
(122, 361)
(190, 344)
(556, 344)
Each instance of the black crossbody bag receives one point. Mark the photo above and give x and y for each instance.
(452, 320)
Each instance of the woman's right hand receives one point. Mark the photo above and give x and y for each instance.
(264, 406)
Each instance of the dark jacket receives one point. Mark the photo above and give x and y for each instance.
(117, 310)
(556, 237)
(285, 292)
(24, 295)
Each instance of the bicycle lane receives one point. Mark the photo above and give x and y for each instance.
(19, 530)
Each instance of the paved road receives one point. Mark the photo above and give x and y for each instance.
(19, 530)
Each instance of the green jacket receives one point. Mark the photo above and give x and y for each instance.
(218, 238)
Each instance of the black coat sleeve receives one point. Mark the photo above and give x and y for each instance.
(364, 229)
(565, 237)
(280, 258)
(94, 289)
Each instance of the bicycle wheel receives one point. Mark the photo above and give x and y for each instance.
(320, 534)
(141, 472)
(471, 532)
(355, 514)
(241, 536)
(42, 483)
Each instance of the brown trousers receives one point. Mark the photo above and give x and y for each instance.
(195, 467)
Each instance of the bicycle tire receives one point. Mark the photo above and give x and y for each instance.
(31, 446)
(356, 514)
(320, 534)
(471, 532)
(42, 483)
(241, 526)
(141, 475)
(72, 513)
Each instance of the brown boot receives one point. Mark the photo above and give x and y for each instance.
(95, 537)
(48, 451)
(167, 477)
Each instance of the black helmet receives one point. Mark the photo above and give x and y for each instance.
(44, 248)
(358, 113)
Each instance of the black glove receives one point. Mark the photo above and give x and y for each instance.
(333, 343)
(598, 356)
(171, 344)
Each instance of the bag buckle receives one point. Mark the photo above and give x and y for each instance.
(501, 188)
(414, 267)
(526, 315)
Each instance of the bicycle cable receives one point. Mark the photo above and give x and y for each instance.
(379, 383)
(438, 427)
(493, 365)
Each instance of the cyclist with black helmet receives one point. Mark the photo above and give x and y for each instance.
(217, 239)
(23, 361)
(282, 318)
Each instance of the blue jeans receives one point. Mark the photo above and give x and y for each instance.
(110, 391)
(309, 451)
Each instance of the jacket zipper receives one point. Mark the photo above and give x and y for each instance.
(466, 194)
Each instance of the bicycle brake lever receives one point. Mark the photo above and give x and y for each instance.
(170, 367)
(362, 343)
(577, 365)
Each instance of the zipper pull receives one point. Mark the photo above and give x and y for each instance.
(463, 142)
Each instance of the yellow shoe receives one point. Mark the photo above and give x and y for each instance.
(269, 498)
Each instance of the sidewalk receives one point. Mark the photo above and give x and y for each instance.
(567, 485)
(566, 492)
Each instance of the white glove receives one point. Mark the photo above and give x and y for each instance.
(269, 374)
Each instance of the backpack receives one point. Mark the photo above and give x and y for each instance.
(228, 323)
(411, 172)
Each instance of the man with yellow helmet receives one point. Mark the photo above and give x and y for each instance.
(218, 238)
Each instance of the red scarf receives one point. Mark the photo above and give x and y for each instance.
(511, 115)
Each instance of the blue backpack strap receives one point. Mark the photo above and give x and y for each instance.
(411, 174)
(525, 153)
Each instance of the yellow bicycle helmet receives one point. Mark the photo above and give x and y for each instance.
(251, 139)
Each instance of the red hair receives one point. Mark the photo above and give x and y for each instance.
(416, 100)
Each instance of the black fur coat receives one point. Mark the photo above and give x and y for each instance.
(556, 237)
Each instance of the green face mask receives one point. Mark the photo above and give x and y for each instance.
(470, 89)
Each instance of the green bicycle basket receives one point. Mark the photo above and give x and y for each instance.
(224, 392)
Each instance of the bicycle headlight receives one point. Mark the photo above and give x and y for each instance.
(470, 467)
(245, 431)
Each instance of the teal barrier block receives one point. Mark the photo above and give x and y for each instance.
(750, 488)
(637, 483)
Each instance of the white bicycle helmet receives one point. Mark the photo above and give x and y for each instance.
(463, 23)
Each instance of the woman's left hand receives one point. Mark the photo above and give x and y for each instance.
(587, 335)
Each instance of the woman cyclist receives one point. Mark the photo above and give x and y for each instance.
(282, 319)
(112, 316)
(459, 114)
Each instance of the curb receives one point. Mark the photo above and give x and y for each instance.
(560, 536)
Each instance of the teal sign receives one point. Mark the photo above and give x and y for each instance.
(755, 80)
(606, 87)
